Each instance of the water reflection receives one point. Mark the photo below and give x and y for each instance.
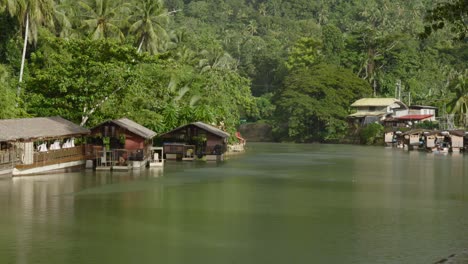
(39, 211)
(278, 203)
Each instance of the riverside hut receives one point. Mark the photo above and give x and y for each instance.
(413, 139)
(437, 141)
(195, 140)
(457, 140)
(38, 145)
(121, 144)
(389, 138)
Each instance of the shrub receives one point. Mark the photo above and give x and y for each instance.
(427, 125)
(371, 134)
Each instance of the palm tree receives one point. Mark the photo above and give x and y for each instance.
(149, 21)
(214, 58)
(252, 27)
(102, 18)
(31, 14)
(459, 104)
(64, 12)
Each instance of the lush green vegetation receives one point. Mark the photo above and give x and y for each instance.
(295, 64)
(371, 134)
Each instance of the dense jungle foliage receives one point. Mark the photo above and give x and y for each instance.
(295, 64)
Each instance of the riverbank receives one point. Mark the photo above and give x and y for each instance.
(461, 258)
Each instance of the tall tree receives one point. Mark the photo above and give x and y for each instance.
(306, 52)
(314, 102)
(103, 18)
(31, 14)
(453, 14)
(65, 14)
(149, 22)
(74, 78)
(459, 105)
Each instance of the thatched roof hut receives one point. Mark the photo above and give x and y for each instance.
(39, 128)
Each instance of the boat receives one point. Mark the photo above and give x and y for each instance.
(157, 157)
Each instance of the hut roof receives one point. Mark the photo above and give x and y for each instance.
(38, 128)
(415, 131)
(377, 102)
(458, 133)
(413, 117)
(363, 114)
(211, 129)
(133, 127)
(206, 127)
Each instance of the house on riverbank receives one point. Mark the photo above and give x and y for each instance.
(121, 144)
(195, 140)
(38, 145)
(416, 114)
(370, 110)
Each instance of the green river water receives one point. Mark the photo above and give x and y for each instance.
(276, 203)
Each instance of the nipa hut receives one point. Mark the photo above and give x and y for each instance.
(195, 140)
(121, 144)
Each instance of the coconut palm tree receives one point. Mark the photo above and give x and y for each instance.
(64, 14)
(459, 104)
(251, 28)
(31, 14)
(103, 18)
(215, 58)
(148, 22)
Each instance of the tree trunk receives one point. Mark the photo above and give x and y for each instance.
(141, 44)
(23, 58)
(370, 63)
(374, 85)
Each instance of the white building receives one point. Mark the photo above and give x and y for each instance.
(369, 110)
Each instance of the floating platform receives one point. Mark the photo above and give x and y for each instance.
(49, 168)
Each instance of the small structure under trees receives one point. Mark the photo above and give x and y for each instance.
(121, 143)
(195, 140)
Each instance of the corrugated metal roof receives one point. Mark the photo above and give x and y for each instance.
(377, 102)
(413, 117)
(205, 127)
(38, 128)
(363, 114)
(135, 128)
(211, 129)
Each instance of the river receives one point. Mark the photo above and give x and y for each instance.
(277, 203)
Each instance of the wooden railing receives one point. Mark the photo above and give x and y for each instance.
(7, 156)
(174, 148)
(52, 157)
(7, 159)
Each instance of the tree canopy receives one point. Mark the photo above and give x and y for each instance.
(314, 102)
(166, 62)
